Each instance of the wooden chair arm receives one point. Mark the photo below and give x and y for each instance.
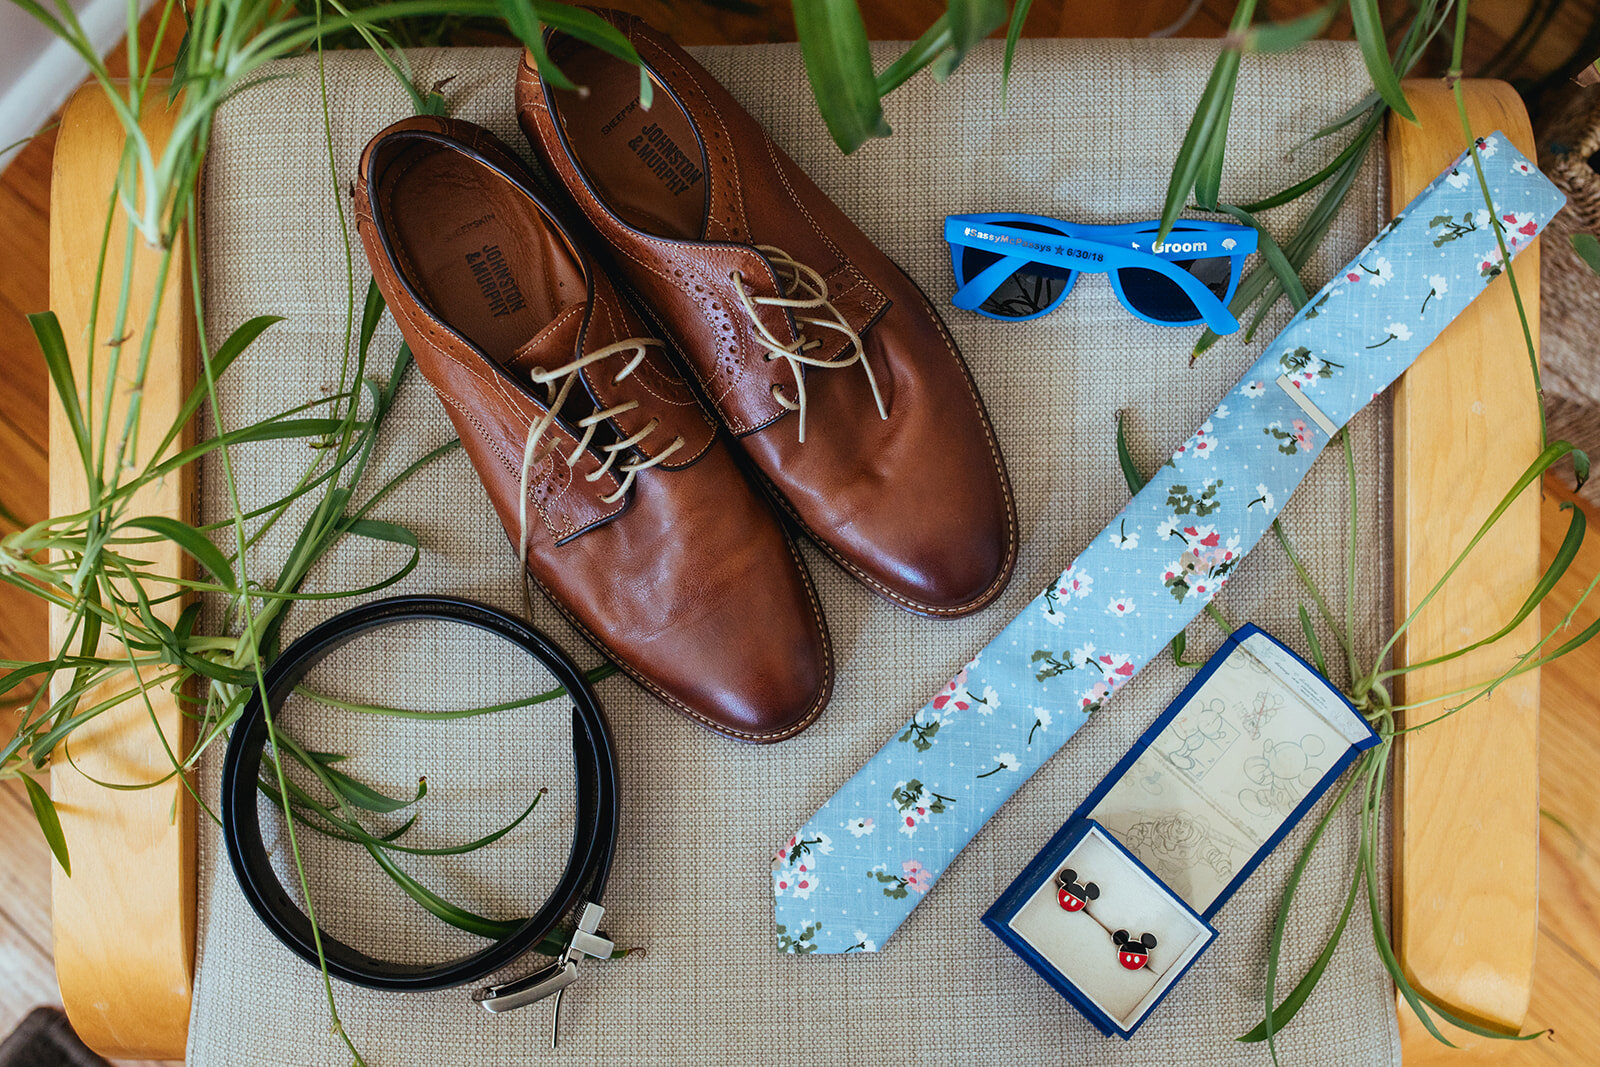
(125, 920)
(1466, 424)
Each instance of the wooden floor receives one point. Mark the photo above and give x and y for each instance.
(1567, 979)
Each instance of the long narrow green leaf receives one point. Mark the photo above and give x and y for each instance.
(1559, 564)
(605, 670)
(522, 19)
(1552, 454)
(1130, 470)
(44, 809)
(923, 51)
(275, 430)
(459, 917)
(1312, 642)
(1268, 247)
(833, 43)
(1276, 1017)
(1368, 23)
(383, 531)
(588, 27)
(1208, 181)
(970, 22)
(367, 798)
(1019, 15)
(1280, 921)
(345, 830)
(53, 346)
(1380, 937)
(189, 539)
(1291, 34)
(1305, 185)
(1208, 116)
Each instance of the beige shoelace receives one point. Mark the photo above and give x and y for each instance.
(535, 449)
(804, 289)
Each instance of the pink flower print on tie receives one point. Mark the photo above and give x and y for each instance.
(1200, 446)
(1520, 227)
(915, 878)
(1291, 441)
(916, 804)
(794, 868)
(1203, 567)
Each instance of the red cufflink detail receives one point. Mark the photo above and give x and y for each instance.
(1133, 952)
(1072, 894)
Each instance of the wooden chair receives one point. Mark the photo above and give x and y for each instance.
(1466, 823)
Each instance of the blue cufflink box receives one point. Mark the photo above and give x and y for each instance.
(1204, 795)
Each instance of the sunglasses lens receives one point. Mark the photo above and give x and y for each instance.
(1156, 296)
(1032, 289)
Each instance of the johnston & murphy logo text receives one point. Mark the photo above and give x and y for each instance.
(494, 280)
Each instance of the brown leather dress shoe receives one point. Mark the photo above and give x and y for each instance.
(823, 358)
(627, 504)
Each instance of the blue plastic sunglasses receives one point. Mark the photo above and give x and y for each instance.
(1015, 267)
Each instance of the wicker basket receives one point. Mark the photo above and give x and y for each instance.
(1569, 152)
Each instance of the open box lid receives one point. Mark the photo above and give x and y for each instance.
(1229, 768)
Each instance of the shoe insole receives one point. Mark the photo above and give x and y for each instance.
(647, 166)
(481, 255)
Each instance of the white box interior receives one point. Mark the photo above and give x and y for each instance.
(1079, 944)
(1230, 768)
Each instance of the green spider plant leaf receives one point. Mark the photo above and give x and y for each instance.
(833, 43)
(1268, 247)
(1277, 1017)
(1287, 36)
(1210, 118)
(1311, 641)
(1019, 15)
(970, 22)
(459, 917)
(371, 312)
(383, 531)
(44, 809)
(588, 27)
(923, 51)
(271, 430)
(1179, 643)
(1559, 564)
(522, 19)
(365, 797)
(1306, 185)
(1208, 181)
(53, 346)
(1130, 471)
(1368, 24)
(190, 540)
(1588, 248)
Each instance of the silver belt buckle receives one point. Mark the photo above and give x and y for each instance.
(551, 980)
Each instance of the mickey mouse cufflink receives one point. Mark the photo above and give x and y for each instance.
(1133, 952)
(1074, 895)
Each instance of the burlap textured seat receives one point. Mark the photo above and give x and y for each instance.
(1089, 134)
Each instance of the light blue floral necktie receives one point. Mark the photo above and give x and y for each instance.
(848, 878)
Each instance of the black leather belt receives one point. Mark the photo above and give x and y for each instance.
(594, 837)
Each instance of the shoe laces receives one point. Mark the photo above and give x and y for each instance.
(560, 381)
(802, 288)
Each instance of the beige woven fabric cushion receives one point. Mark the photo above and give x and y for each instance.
(1089, 134)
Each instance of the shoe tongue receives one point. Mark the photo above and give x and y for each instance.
(554, 346)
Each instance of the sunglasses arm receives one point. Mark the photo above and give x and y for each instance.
(983, 284)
